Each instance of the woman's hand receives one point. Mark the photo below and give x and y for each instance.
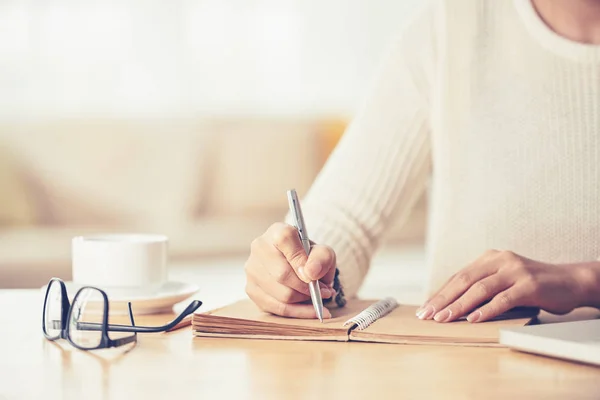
(278, 272)
(508, 280)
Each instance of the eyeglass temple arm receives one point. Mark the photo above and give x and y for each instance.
(130, 314)
(57, 324)
(127, 339)
(143, 329)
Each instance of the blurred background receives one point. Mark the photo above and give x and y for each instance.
(187, 118)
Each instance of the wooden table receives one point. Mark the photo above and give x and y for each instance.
(177, 365)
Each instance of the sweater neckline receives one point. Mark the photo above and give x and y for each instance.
(552, 41)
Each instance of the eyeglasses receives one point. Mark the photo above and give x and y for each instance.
(84, 324)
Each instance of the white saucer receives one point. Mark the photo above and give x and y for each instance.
(143, 300)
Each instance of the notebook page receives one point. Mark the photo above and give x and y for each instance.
(402, 326)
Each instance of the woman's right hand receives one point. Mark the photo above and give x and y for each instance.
(278, 272)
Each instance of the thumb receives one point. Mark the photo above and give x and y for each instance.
(320, 264)
(286, 239)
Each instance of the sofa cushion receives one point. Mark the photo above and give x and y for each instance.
(111, 172)
(256, 160)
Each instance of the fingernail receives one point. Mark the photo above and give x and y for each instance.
(326, 313)
(301, 275)
(443, 315)
(426, 313)
(313, 269)
(474, 316)
(326, 293)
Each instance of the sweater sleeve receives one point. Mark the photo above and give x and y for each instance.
(379, 169)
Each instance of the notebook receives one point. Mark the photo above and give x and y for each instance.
(382, 321)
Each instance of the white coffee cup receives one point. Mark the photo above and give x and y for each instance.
(124, 261)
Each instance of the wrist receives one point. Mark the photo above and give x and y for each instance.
(587, 279)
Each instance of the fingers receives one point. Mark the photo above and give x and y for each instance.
(275, 269)
(278, 272)
(270, 304)
(477, 294)
(501, 303)
(292, 290)
(483, 259)
(317, 266)
(285, 239)
(321, 264)
(281, 292)
(494, 284)
(452, 290)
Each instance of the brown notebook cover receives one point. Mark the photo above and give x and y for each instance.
(244, 319)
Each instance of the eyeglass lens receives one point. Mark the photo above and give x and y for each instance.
(87, 314)
(53, 310)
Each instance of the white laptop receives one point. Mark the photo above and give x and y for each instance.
(575, 340)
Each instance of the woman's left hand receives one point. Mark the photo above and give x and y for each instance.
(508, 280)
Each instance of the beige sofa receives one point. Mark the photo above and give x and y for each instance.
(211, 185)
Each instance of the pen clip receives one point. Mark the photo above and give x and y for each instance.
(296, 210)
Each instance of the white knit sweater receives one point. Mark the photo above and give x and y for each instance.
(497, 118)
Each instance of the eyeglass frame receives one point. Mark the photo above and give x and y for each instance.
(105, 341)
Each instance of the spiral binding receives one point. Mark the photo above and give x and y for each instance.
(373, 313)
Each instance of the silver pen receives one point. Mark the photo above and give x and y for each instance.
(313, 286)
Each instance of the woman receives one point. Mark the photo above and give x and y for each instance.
(494, 108)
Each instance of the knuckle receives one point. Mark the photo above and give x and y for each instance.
(463, 278)
(504, 300)
(288, 231)
(281, 237)
(255, 244)
(482, 288)
(287, 296)
(509, 256)
(281, 309)
(520, 265)
(458, 307)
(491, 252)
(282, 275)
(297, 257)
(284, 236)
(276, 227)
(250, 269)
(528, 276)
(513, 262)
(437, 300)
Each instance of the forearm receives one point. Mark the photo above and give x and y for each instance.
(381, 165)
